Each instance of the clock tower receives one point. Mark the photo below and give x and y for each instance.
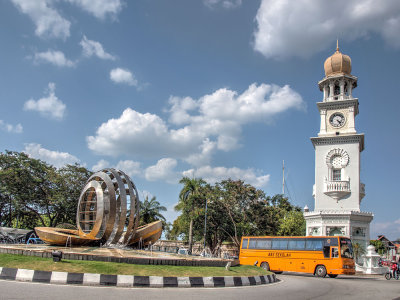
(338, 191)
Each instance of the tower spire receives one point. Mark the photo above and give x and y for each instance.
(337, 45)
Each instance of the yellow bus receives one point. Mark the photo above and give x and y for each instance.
(321, 256)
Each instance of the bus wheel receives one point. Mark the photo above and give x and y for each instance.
(320, 271)
(265, 266)
(332, 275)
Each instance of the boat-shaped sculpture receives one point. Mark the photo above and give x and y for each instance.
(147, 234)
(108, 212)
(61, 237)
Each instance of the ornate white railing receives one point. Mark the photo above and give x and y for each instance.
(337, 189)
(338, 186)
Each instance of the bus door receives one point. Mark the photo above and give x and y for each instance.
(336, 262)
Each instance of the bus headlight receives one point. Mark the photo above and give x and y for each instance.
(347, 267)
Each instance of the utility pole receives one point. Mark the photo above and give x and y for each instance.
(283, 177)
(205, 226)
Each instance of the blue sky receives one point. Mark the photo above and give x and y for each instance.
(207, 88)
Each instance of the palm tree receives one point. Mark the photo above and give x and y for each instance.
(189, 201)
(358, 250)
(150, 211)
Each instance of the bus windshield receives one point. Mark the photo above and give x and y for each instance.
(346, 249)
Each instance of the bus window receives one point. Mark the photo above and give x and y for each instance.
(314, 244)
(252, 244)
(244, 243)
(346, 249)
(263, 244)
(296, 244)
(326, 251)
(331, 242)
(334, 252)
(279, 244)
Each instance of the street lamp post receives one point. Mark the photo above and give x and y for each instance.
(205, 226)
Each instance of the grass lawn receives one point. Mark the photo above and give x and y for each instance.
(80, 266)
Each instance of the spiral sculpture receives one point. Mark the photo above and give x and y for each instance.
(108, 213)
(108, 204)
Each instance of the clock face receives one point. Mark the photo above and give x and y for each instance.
(337, 120)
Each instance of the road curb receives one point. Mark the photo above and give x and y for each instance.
(91, 279)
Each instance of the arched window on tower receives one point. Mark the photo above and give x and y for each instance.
(346, 89)
(336, 91)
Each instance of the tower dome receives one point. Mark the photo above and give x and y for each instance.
(338, 63)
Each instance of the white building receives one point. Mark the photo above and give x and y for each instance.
(338, 191)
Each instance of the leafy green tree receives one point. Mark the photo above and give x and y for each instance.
(236, 197)
(150, 211)
(33, 193)
(190, 202)
(70, 181)
(235, 209)
(379, 246)
(293, 224)
(28, 183)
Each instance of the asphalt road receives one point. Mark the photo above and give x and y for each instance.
(291, 286)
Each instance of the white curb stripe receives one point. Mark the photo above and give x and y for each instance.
(245, 281)
(59, 277)
(208, 281)
(91, 279)
(24, 275)
(156, 281)
(125, 280)
(229, 281)
(183, 282)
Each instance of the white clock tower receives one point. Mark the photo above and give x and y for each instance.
(338, 190)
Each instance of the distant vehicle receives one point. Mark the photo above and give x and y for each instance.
(183, 251)
(321, 256)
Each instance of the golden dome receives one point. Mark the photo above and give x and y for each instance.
(337, 64)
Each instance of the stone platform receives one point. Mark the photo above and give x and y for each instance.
(130, 256)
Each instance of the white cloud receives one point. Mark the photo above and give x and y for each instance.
(100, 165)
(49, 23)
(213, 122)
(132, 168)
(215, 174)
(91, 48)
(302, 28)
(10, 128)
(49, 106)
(99, 8)
(390, 229)
(55, 158)
(56, 58)
(163, 170)
(123, 76)
(228, 4)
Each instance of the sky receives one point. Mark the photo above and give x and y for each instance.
(214, 89)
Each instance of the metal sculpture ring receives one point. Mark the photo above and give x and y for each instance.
(108, 204)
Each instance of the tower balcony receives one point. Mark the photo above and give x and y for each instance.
(337, 189)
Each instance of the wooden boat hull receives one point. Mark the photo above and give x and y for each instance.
(61, 237)
(147, 234)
